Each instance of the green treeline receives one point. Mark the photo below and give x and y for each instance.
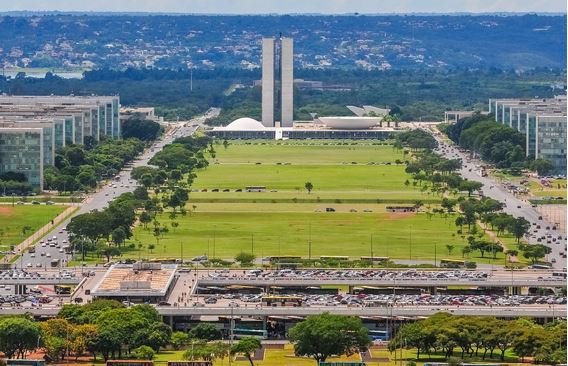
(483, 337)
(82, 166)
(495, 143)
(415, 94)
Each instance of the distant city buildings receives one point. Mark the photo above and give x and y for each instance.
(33, 128)
(543, 121)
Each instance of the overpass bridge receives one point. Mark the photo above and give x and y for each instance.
(544, 311)
(410, 282)
(40, 281)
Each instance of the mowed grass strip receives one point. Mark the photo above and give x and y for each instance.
(226, 230)
(365, 181)
(315, 152)
(14, 219)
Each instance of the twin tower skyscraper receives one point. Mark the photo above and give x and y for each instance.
(277, 81)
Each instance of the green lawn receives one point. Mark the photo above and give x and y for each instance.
(15, 218)
(305, 153)
(558, 189)
(285, 168)
(223, 230)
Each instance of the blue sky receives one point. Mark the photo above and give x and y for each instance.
(291, 6)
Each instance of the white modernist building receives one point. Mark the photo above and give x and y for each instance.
(281, 55)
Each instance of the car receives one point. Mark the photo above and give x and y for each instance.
(42, 254)
(36, 203)
(28, 265)
(164, 303)
(49, 203)
(32, 255)
(518, 206)
(20, 203)
(48, 255)
(38, 265)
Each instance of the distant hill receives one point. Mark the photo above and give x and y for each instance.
(393, 42)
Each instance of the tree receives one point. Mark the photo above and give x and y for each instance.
(541, 166)
(18, 336)
(470, 186)
(157, 335)
(511, 253)
(225, 144)
(118, 235)
(534, 252)
(309, 186)
(179, 339)
(519, 227)
(206, 331)
(144, 353)
(465, 251)
(246, 347)
(245, 259)
(151, 247)
(320, 336)
(450, 248)
(140, 193)
(207, 351)
(145, 218)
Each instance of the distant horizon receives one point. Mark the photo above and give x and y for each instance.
(270, 7)
(455, 13)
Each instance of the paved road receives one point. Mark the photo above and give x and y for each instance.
(539, 311)
(101, 198)
(514, 205)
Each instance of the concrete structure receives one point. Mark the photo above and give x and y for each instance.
(543, 121)
(52, 122)
(145, 113)
(287, 82)
(455, 116)
(140, 282)
(21, 151)
(268, 82)
(350, 123)
(281, 54)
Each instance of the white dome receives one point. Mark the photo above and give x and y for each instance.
(350, 123)
(245, 123)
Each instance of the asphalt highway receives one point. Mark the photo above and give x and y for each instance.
(44, 255)
(513, 205)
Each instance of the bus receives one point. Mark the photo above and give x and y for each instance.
(559, 274)
(129, 363)
(540, 266)
(190, 363)
(379, 334)
(255, 188)
(282, 300)
(25, 362)
(62, 289)
(239, 333)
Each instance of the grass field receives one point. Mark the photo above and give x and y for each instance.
(558, 189)
(224, 230)
(286, 357)
(14, 219)
(284, 169)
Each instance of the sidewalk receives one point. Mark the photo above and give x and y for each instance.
(20, 248)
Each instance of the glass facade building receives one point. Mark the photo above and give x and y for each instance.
(33, 128)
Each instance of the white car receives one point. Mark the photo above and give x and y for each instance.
(48, 255)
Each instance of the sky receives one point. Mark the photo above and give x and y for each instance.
(289, 6)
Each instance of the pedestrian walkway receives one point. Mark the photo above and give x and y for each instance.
(20, 248)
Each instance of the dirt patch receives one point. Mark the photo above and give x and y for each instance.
(399, 215)
(6, 211)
